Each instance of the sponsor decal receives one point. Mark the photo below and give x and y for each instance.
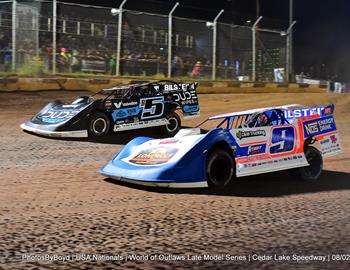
(186, 95)
(297, 113)
(189, 108)
(330, 145)
(247, 134)
(328, 110)
(53, 116)
(320, 126)
(120, 104)
(177, 87)
(134, 122)
(333, 138)
(124, 113)
(234, 148)
(154, 156)
(326, 141)
(171, 87)
(277, 161)
(255, 149)
(312, 128)
(331, 149)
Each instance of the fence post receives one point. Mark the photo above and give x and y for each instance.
(54, 30)
(290, 41)
(119, 38)
(170, 34)
(254, 48)
(14, 15)
(214, 45)
(289, 52)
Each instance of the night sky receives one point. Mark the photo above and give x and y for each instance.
(321, 35)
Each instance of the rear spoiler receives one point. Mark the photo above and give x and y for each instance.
(303, 112)
(186, 98)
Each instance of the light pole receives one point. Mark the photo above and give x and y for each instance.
(254, 48)
(214, 44)
(170, 35)
(290, 42)
(288, 33)
(119, 36)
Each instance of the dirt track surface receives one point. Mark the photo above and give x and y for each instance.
(53, 201)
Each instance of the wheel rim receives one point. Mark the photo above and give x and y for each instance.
(99, 126)
(315, 165)
(219, 170)
(173, 124)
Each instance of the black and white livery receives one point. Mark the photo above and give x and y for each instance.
(134, 106)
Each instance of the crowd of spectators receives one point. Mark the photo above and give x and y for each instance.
(140, 54)
(74, 54)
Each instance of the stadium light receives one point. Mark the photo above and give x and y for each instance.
(209, 24)
(115, 11)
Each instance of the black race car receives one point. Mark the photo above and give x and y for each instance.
(134, 106)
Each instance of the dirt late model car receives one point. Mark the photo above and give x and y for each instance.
(133, 106)
(291, 137)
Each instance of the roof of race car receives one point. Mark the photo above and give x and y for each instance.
(123, 87)
(136, 84)
(283, 107)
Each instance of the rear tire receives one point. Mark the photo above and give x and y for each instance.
(173, 127)
(219, 169)
(312, 172)
(99, 125)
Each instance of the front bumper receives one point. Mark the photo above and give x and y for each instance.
(112, 172)
(57, 134)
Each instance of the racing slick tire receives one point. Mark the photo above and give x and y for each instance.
(99, 125)
(312, 172)
(219, 169)
(173, 127)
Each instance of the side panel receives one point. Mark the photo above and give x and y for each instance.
(138, 113)
(187, 99)
(325, 131)
(267, 149)
(152, 110)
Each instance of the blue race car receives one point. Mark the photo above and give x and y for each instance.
(291, 137)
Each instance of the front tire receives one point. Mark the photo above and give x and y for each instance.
(312, 172)
(99, 125)
(219, 169)
(173, 127)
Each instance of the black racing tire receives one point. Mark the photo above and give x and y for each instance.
(219, 169)
(174, 125)
(312, 172)
(99, 125)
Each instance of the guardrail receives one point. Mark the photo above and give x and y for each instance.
(96, 84)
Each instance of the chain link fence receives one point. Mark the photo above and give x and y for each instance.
(83, 39)
(270, 56)
(5, 36)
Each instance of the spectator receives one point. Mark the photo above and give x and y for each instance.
(176, 66)
(63, 60)
(75, 64)
(196, 69)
